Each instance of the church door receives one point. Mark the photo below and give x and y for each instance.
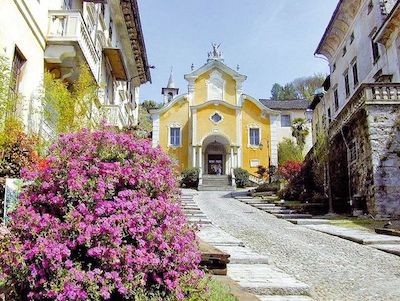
(215, 165)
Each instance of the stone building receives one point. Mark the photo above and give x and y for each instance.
(58, 35)
(358, 109)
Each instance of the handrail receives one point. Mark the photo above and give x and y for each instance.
(233, 178)
(200, 176)
(256, 179)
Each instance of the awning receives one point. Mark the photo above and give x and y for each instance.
(114, 56)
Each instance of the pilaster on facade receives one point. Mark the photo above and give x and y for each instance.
(156, 130)
(274, 139)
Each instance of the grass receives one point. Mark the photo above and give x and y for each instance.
(219, 292)
(357, 223)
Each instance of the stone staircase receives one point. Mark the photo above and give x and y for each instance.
(270, 205)
(215, 183)
(192, 210)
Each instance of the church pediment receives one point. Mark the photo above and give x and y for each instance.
(217, 65)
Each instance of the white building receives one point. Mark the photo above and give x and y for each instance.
(289, 110)
(56, 35)
(359, 109)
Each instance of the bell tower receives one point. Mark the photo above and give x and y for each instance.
(170, 92)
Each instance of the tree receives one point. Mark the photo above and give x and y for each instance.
(286, 92)
(276, 91)
(300, 131)
(149, 105)
(300, 88)
(145, 125)
(288, 150)
(305, 86)
(70, 107)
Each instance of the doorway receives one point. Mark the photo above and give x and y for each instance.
(215, 165)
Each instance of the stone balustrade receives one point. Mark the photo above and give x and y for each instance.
(113, 115)
(67, 27)
(366, 94)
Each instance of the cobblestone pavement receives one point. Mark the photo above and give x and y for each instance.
(336, 269)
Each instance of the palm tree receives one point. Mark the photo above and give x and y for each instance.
(300, 131)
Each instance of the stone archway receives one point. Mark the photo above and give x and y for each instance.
(215, 156)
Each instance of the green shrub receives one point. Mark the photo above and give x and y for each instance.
(190, 177)
(242, 177)
(266, 187)
(288, 150)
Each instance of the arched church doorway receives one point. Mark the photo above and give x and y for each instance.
(215, 155)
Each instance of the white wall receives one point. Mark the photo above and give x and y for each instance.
(364, 26)
(23, 24)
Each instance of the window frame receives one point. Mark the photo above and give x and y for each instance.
(353, 151)
(354, 68)
(329, 114)
(251, 137)
(17, 67)
(346, 83)
(336, 98)
(290, 121)
(171, 136)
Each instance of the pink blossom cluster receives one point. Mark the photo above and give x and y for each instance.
(100, 222)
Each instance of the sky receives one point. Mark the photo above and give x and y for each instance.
(273, 41)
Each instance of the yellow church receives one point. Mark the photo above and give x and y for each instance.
(216, 126)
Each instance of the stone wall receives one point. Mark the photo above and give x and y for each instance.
(384, 134)
(361, 172)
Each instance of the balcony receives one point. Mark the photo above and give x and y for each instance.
(366, 94)
(114, 115)
(67, 30)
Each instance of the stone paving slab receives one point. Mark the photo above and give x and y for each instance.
(263, 205)
(244, 255)
(306, 221)
(217, 237)
(293, 216)
(392, 249)
(358, 236)
(262, 279)
(285, 298)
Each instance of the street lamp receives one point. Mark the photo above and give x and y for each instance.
(309, 115)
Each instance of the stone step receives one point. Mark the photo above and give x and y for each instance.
(244, 255)
(392, 249)
(306, 221)
(280, 211)
(262, 279)
(262, 205)
(217, 237)
(192, 211)
(284, 298)
(213, 188)
(293, 216)
(356, 235)
(197, 221)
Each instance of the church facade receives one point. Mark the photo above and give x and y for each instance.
(216, 126)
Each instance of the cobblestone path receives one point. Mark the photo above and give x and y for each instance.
(336, 269)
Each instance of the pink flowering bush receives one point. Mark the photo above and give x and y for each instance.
(101, 222)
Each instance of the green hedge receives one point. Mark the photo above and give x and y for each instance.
(190, 177)
(242, 177)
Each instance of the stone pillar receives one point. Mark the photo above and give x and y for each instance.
(232, 159)
(194, 154)
(201, 158)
